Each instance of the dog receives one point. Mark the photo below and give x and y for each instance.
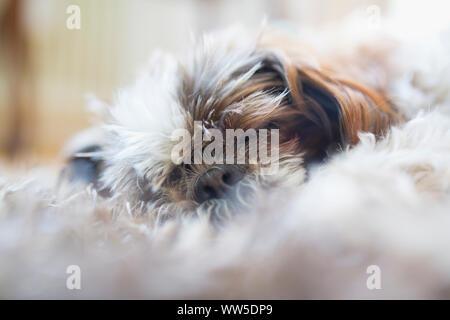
(272, 82)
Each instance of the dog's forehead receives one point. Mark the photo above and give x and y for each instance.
(217, 80)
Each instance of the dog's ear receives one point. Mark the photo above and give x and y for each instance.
(84, 157)
(85, 167)
(324, 112)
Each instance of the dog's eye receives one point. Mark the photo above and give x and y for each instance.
(177, 173)
(174, 175)
(186, 167)
(272, 125)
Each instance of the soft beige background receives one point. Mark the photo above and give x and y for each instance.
(115, 38)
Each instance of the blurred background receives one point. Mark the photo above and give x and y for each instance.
(49, 63)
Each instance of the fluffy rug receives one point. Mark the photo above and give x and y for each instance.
(383, 203)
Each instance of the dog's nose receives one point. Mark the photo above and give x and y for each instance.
(216, 183)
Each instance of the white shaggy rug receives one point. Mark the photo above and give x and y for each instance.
(384, 203)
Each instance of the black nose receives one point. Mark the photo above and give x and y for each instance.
(216, 183)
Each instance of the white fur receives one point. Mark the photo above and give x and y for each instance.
(143, 118)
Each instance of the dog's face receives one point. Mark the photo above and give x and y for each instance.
(221, 86)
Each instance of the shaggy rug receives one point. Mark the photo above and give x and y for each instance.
(372, 222)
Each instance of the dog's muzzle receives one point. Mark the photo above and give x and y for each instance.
(216, 183)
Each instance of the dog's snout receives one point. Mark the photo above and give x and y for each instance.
(216, 183)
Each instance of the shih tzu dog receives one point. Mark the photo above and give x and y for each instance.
(312, 107)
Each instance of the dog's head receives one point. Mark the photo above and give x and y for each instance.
(177, 113)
